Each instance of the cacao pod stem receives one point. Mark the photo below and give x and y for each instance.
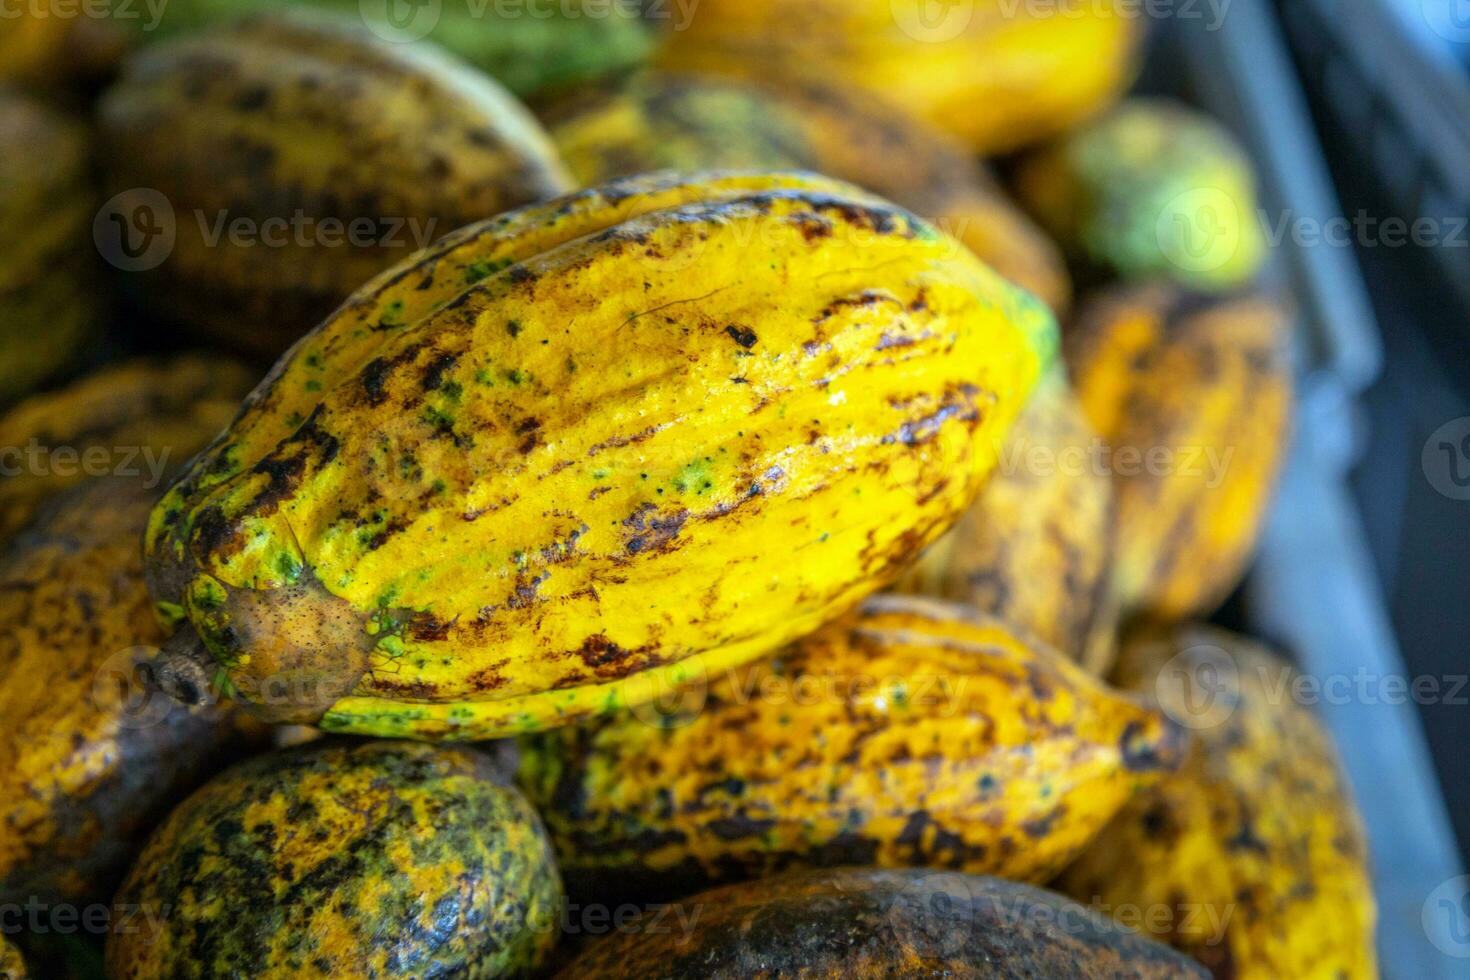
(182, 669)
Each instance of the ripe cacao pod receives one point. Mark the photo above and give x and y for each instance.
(1036, 547)
(91, 759)
(505, 486)
(1255, 847)
(913, 733)
(48, 297)
(1193, 396)
(533, 49)
(340, 859)
(142, 418)
(671, 121)
(300, 156)
(864, 924)
(1152, 189)
(996, 74)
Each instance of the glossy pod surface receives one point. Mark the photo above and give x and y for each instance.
(913, 733)
(517, 472)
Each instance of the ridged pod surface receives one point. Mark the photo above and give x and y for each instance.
(860, 924)
(1152, 189)
(302, 155)
(141, 417)
(584, 448)
(91, 761)
(48, 301)
(1035, 548)
(913, 733)
(530, 48)
(1193, 396)
(672, 121)
(379, 859)
(996, 75)
(1255, 845)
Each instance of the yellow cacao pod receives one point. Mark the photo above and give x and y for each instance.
(996, 74)
(48, 293)
(512, 476)
(1193, 397)
(140, 418)
(1036, 547)
(912, 733)
(298, 156)
(91, 759)
(672, 121)
(1254, 848)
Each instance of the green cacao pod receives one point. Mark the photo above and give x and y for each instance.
(532, 48)
(912, 733)
(858, 924)
(299, 156)
(503, 488)
(48, 293)
(383, 859)
(1152, 189)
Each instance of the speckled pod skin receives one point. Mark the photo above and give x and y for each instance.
(914, 733)
(91, 763)
(1036, 547)
(340, 859)
(530, 49)
(505, 487)
(1205, 384)
(287, 123)
(142, 416)
(671, 121)
(858, 924)
(12, 964)
(1255, 845)
(993, 74)
(48, 298)
(1152, 189)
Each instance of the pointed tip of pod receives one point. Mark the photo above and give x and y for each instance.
(183, 669)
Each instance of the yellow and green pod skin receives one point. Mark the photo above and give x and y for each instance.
(48, 295)
(913, 733)
(865, 924)
(12, 964)
(1153, 189)
(342, 859)
(1255, 846)
(647, 431)
(671, 121)
(994, 74)
(1193, 396)
(532, 49)
(91, 760)
(1036, 547)
(143, 417)
(302, 155)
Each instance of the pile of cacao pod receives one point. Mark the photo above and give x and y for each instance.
(704, 518)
